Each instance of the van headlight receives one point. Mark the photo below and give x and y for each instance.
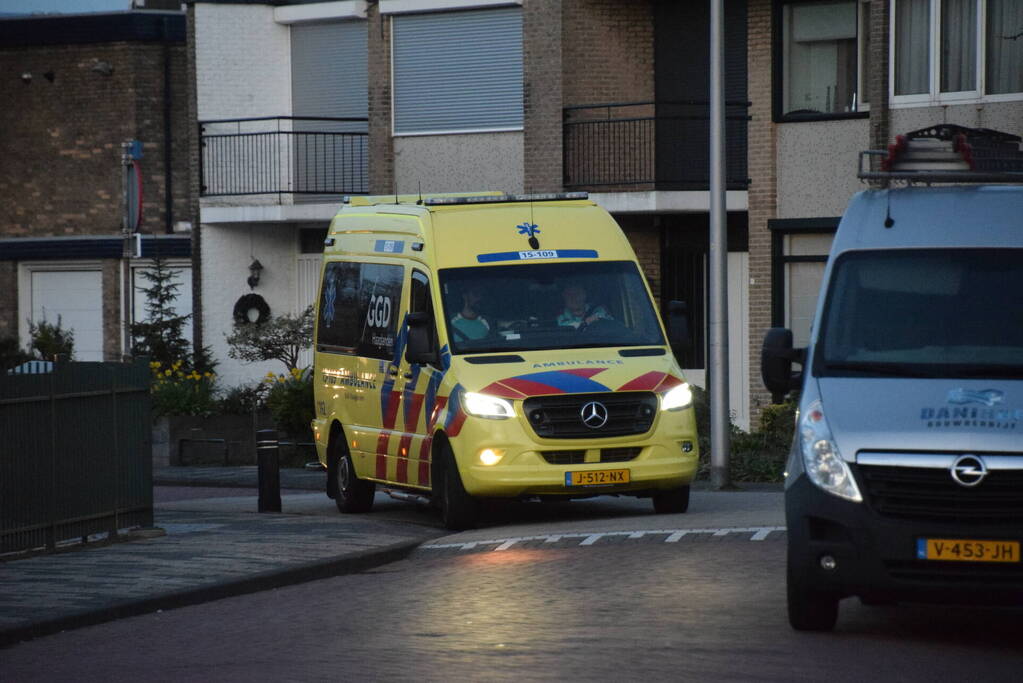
(492, 407)
(677, 398)
(824, 464)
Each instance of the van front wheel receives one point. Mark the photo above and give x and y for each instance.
(353, 494)
(673, 501)
(458, 509)
(809, 609)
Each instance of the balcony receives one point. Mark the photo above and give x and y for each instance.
(635, 146)
(283, 158)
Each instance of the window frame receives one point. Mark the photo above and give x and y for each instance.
(934, 96)
(780, 65)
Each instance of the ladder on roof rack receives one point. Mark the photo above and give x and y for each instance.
(947, 153)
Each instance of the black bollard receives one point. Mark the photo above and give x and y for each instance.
(268, 464)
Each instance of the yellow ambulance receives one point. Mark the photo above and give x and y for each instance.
(494, 346)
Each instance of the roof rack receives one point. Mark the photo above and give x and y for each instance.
(947, 153)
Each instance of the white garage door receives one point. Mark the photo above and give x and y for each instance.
(76, 298)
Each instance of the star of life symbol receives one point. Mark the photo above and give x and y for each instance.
(530, 229)
(987, 397)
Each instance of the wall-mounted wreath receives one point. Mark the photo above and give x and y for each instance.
(251, 308)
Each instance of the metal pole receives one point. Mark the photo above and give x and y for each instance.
(718, 315)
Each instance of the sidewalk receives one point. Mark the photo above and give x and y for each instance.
(195, 556)
(207, 549)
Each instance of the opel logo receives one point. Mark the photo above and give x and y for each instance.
(968, 470)
(594, 415)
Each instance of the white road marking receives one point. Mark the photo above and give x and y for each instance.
(757, 533)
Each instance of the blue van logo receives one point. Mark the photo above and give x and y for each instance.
(988, 397)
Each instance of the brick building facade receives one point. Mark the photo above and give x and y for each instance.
(77, 88)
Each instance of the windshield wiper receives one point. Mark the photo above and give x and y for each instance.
(984, 371)
(887, 369)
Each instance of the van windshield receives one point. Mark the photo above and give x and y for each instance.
(924, 313)
(539, 306)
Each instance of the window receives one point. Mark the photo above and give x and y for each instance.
(458, 71)
(1003, 53)
(956, 49)
(821, 53)
(359, 307)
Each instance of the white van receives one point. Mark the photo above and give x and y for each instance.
(905, 479)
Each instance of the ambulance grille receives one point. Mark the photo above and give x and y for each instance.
(578, 457)
(930, 494)
(560, 416)
(619, 454)
(564, 457)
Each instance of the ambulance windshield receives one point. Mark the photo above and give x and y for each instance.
(538, 306)
(924, 313)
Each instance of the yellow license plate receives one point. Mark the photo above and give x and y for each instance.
(597, 478)
(962, 550)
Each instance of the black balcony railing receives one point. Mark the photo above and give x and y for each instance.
(295, 155)
(650, 146)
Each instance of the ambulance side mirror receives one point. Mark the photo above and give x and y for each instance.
(678, 325)
(420, 348)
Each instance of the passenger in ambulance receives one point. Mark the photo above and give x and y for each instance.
(468, 323)
(578, 312)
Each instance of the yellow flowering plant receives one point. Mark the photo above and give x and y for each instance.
(176, 391)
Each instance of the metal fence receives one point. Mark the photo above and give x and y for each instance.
(650, 145)
(75, 453)
(293, 155)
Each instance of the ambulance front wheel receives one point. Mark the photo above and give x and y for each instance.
(458, 509)
(351, 493)
(672, 501)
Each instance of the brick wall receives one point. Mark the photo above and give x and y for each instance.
(542, 95)
(381, 144)
(647, 245)
(62, 171)
(8, 299)
(763, 200)
(877, 79)
(608, 51)
(192, 105)
(608, 57)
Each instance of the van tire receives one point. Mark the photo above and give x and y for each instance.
(673, 501)
(809, 609)
(458, 510)
(351, 493)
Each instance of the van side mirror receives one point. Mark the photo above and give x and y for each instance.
(776, 358)
(420, 348)
(678, 325)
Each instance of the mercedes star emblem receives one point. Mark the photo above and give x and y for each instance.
(968, 470)
(594, 415)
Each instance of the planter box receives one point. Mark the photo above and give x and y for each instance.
(214, 440)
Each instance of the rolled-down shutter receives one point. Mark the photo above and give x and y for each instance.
(458, 71)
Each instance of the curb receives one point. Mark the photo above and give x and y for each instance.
(325, 569)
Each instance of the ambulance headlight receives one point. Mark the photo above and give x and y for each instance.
(492, 407)
(824, 464)
(677, 398)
